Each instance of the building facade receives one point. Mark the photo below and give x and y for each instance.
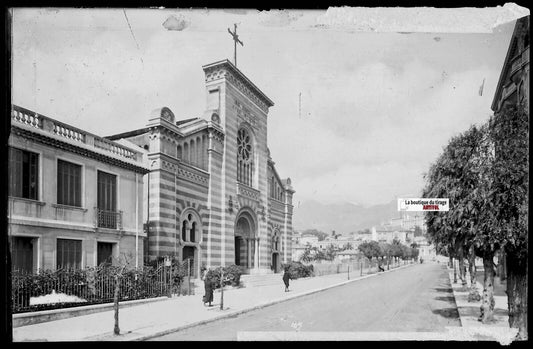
(75, 199)
(387, 233)
(214, 195)
(513, 85)
(426, 250)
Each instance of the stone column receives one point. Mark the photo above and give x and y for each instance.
(249, 252)
(256, 254)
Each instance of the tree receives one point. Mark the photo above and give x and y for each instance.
(414, 253)
(347, 246)
(396, 248)
(330, 253)
(370, 249)
(307, 255)
(118, 274)
(460, 174)
(321, 235)
(508, 200)
(386, 249)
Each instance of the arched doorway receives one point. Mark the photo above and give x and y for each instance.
(275, 263)
(190, 236)
(245, 240)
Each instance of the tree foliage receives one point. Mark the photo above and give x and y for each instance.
(461, 174)
(509, 185)
(319, 234)
(485, 174)
(370, 249)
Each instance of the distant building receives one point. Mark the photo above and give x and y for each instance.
(75, 199)
(347, 255)
(362, 236)
(308, 239)
(426, 250)
(386, 233)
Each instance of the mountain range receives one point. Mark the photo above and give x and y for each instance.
(341, 217)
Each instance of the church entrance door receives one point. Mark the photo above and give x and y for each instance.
(275, 262)
(238, 250)
(188, 253)
(244, 241)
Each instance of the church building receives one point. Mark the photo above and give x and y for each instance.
(213, 194)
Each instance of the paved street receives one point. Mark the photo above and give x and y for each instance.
(418, 298)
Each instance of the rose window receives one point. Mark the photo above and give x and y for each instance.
(244, 145)
(244, 157)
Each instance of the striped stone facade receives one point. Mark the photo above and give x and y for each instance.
(199, 208)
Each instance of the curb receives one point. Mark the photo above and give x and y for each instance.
(454, 296)
(38, 317)
(242, 311)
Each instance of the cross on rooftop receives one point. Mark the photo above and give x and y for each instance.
(235, 41)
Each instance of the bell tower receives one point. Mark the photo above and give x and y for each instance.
(240, 110)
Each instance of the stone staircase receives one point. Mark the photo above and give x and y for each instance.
(256, 280)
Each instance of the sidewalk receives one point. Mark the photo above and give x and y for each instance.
(469, 313)
(154, 319)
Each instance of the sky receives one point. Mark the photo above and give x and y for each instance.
(359, 116)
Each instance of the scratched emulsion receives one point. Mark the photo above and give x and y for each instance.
(173, 23)
(420, 19)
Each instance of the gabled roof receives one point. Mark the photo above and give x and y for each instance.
(506, 63)
(228, 65)
(127, 134)
(181, 122)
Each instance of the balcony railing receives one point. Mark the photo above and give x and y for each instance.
(29, 118)
(108, 219)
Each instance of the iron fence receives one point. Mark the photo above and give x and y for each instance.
(69, 288)
(357, 267)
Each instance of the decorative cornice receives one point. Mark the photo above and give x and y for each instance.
(248, 192)
(43, 139)
(225, 69)
(187, 173)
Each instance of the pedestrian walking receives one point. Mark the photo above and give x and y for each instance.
(208, 287)
(286, 277)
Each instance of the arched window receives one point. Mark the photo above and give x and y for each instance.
(191, 226)
(179, 152)
(184, 231)
(186, 152)
(193, 231)
(275, 241)
(245, 164)
(199, 160)
(193, 153)
(204, 151)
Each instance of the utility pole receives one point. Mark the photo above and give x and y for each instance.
(221, 288)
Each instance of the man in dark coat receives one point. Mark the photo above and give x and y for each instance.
(286, 277)
(208, 286)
